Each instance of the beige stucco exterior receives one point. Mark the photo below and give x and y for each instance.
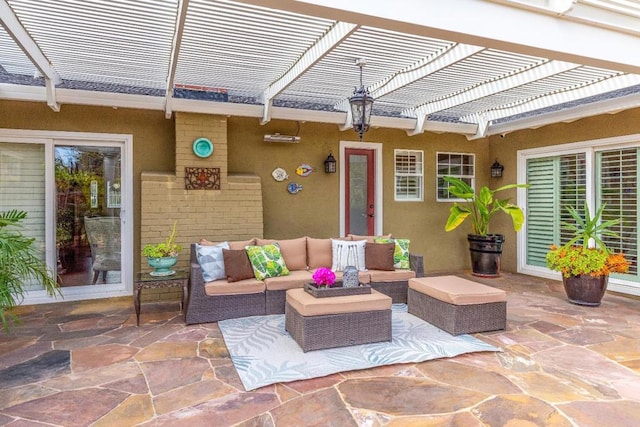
(255, 204)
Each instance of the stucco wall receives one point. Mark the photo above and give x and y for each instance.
(315, 210)
(505, 149)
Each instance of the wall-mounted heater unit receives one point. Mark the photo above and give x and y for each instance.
(276, 137)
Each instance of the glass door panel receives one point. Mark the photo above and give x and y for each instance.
(87, 218)
(360, 201)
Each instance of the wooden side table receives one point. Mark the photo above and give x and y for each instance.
(147, 281)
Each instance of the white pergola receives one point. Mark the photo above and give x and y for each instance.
(472, 67)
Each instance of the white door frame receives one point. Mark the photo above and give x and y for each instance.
(377, 149)
(49, 139)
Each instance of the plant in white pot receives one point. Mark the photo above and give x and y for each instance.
(163, 256)
(485, 248)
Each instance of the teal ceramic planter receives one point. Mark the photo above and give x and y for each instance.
(162, 266)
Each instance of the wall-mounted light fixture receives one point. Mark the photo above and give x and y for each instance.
(496, 170)
(330, 164)
(361, 103)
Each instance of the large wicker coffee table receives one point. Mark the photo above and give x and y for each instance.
(319, 323)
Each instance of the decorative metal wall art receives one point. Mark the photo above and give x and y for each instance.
(201, 178)
(294, 188)
(279, 174)
(304, 169)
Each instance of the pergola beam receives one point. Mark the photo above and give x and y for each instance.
(332, 38)
(486, 89)
(483, 119)
(19, 34)
(181, 16)
(503, 26)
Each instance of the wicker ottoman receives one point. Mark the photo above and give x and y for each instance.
(457, 305)
(319, 323)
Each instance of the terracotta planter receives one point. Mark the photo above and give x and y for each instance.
(486, 254)
(585, 289)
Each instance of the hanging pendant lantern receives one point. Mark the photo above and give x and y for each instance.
(361, 104)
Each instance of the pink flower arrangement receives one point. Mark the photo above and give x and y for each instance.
(324, 277)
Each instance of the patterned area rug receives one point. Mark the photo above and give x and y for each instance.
(264, 353)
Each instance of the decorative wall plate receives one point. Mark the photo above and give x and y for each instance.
(293, 188)
(202, 147)
(279, 174)
(304, 169)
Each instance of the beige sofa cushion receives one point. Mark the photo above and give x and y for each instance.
(235, 245)
(308, 305)
(377, 276)
(319, 253)
(294, 251)
(223, 287)
(295, 279)
(457, 291)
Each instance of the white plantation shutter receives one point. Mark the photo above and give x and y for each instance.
(556, 182)
(618, 188)
(22, 173)
(540, 208)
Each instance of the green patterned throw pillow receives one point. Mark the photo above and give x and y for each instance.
(401, 253)
(267, 261)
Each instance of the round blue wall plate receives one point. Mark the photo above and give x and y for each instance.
(202, 147)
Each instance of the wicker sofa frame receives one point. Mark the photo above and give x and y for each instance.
(203, 308)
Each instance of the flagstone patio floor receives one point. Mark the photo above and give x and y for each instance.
(87, 364)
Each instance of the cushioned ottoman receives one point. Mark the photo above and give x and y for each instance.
(457, 305)
(318, 323)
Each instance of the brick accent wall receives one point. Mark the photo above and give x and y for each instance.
(232, 213)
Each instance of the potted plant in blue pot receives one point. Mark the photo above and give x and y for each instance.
(162, 256)
(485, 248)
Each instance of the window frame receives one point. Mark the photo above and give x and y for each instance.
(418, 175)
(472, 178)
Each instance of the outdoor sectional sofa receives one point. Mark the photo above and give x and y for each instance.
(221, 299)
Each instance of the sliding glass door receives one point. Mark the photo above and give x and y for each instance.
(75, 189)
(601, 173)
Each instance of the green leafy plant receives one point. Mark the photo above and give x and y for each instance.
(19, 263)
(586, 253)
(169, 248)
(480, 207)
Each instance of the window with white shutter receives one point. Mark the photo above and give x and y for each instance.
(409, 173)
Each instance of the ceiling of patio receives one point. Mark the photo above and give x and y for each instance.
(471, 67)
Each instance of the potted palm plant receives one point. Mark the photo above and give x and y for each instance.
(585, 261)
(485, 248)
(162, 256)
(19, 263)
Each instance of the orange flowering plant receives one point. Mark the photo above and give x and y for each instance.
(577, 260)
(574, 260)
